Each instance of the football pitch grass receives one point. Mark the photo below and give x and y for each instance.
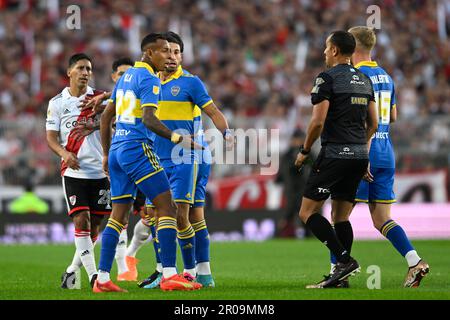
(271, 270)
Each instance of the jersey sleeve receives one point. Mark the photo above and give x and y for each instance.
(149, 91)
(199, 93)
(53, 116)
(322, 89)
(113, 94)
(393, 99)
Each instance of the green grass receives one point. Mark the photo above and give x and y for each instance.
(277, 269)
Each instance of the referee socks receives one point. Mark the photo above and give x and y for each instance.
(323, 231)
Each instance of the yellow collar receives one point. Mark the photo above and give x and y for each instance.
(142, 64)
(367, 64)
(173, 76)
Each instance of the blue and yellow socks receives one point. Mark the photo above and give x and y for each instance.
(186, 240)
(167, 234)
(397, 236)
(202, 247)
(110, 239)
(155, 242)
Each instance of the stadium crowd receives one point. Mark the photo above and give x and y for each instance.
(258, 59)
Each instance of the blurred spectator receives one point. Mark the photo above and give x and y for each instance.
(28, 203)
(294, 183)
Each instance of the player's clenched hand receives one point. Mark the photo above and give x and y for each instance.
(230, 140)
(300, 160)
(368, 175)
(105, 165)
(71, 160)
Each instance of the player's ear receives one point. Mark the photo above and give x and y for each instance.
(68, 71)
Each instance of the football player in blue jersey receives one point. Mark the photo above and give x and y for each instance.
(131, 163)
(377, 187)
(184, 97)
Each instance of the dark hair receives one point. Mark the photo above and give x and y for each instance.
(77, 57)
(120, 62)
(345, 41)
(152, 38)
(175, 38)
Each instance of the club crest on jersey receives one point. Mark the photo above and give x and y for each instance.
(175, 90)
(155, 90)
(73, 200)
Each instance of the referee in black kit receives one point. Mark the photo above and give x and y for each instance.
(345, 117)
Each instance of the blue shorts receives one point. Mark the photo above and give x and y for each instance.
(381, 190)
(134, 165)
(204, 170)
(182, 179)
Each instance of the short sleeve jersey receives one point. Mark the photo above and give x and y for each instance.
(183, 96)
(63, 115)
(381, 151)
(349, 92)
(137, 88)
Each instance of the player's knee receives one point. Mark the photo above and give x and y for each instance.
(167, 210)
(82, 220)
(304, 215)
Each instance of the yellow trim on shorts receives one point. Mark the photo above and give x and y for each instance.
(361, 200)
(184, 201)
(384, 201)
(148, 176)
(122, 197)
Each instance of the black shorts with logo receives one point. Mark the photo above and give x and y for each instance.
(92, 195)
(337, 171)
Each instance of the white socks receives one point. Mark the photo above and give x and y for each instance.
(140, 235)
(85, 250)
(203, 268)
(121, 251)
(412, 258)
(169, 272)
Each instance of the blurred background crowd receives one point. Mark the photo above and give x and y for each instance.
(258, 59)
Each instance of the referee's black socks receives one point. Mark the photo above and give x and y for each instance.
(344, 233)
(323, 231)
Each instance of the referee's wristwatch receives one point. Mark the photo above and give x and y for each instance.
(303, 151)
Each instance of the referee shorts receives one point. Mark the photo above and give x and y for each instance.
(336, 177)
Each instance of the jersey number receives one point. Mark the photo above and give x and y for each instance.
(105, 198)
(383, 102)
(126, 106)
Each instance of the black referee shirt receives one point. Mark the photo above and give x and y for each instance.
(349, 91)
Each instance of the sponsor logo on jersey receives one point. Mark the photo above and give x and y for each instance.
(66, 111)
(359, 100)
(381, 135)
(122, 132)
(155, 90)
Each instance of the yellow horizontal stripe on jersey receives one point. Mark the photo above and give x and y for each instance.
(197, 112)
(175, 110)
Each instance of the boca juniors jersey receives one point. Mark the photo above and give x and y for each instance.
(137, 88)
(183, 95)
(381, 150)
